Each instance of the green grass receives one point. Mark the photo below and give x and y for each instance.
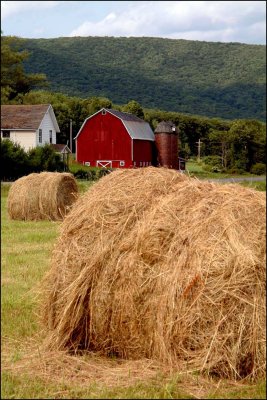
(261, 186)
(26, 250)
(194, 168)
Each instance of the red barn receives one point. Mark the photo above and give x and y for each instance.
(114, 139)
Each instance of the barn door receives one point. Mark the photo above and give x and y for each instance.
(104, 164)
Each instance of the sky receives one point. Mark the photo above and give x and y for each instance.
(211, 21)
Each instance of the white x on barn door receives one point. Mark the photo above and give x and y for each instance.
(104, 164)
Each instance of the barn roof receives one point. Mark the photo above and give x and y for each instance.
(136, 127)
(125, 116)
(25, 117)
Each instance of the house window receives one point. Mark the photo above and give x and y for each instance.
(103, 112)
(40, 135)
(122, 163)
(6, 134)
(50, 136)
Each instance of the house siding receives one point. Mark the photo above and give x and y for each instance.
(26, 139)
(46, 125)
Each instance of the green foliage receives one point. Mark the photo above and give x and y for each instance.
(15, 162)
(212, 160)
(44, 158)
(248, 143)
(14, 80)
(210, 79)
(90, 174)
(213, 164)
(258, 169)
(133, 107)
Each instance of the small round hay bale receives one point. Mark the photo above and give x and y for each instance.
(151, 263)
(47, 195)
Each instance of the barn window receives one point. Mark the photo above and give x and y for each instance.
(6, 134)
(50, 136)
(122, 163)
(87, 163)
(104, 112)
(40, 135)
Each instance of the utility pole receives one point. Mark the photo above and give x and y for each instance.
(71, 136)
(198, 149)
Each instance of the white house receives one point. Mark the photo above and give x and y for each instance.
(29, 125)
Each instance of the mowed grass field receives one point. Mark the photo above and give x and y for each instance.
(29, 372)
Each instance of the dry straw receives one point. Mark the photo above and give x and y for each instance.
(153, 264)
(48, 195)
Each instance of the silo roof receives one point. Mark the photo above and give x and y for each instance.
(165, 127)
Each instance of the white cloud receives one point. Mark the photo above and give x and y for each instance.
(196, 20)
(9, 8)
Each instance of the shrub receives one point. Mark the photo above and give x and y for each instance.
(82, 174)
(14, 160)
(45, 159)
(236, 171)
(258, 169)
(90, 174)
(214, 161)
(102, 172)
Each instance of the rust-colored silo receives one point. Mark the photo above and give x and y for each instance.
(166, 139)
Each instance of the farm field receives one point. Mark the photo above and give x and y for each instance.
(195, 169)
(29, 372)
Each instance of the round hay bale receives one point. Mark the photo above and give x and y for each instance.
(47, 195)
(151, 263)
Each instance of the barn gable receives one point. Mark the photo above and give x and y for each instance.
(137, 128)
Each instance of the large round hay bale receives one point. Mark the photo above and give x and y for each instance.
(47, 195)
(151, 263)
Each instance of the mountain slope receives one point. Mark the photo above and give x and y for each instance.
(226, 80)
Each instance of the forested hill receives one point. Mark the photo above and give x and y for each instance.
(226, 80)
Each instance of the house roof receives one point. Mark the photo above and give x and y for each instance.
(25, 117)
(61, 148)
(136, 127)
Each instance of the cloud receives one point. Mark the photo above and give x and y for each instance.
(196, 20)
(9, 8)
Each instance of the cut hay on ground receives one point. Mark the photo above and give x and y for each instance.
(153, 264)
(48, 195)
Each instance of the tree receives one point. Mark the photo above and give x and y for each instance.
(14, 80)
(133, 107)
(248, 143)
(221, 141)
